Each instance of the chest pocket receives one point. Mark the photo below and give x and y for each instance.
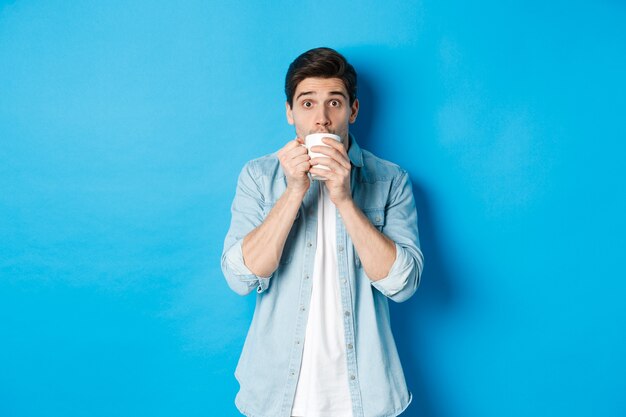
(376, 216)
(290, 243)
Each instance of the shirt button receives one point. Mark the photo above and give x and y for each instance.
(349, 345)
(306, 277)
(297, 342)
(340, 248)
(377, 219)
(302, 308)
(352, 377)
(292, 373)
(347, 313)
(343, 280)
(309, 244)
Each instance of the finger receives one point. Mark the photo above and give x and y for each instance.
(324, 173)
(335, 144)
(330, 163)
(332, 153)
(286, 158)
(300, 159)
(292, 144)
(296, 151)
(304, 166)
(336, 148)
(334, 171)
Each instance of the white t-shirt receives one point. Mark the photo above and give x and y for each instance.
(322, 389)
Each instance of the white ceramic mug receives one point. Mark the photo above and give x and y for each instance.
(315, 139)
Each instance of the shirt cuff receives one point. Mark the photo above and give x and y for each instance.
(234, 262)
(399, 274)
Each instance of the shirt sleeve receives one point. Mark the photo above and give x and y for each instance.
(247, 213)
(401, 226)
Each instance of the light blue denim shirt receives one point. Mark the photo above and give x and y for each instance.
(269, 365)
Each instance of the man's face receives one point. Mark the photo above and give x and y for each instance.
(322, 105)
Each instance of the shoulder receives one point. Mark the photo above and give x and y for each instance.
(264, 175)
(263, 167)
(379, 183)
(379, 169)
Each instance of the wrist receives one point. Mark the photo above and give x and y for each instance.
(295, 194)
(345, 205)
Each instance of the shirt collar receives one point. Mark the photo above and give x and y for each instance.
(355, 153)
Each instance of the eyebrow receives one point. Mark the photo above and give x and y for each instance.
(332, 93)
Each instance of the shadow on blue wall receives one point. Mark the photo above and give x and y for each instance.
(435, 292)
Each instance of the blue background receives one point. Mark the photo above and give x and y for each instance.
(124, 125)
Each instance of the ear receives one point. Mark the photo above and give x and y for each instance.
(354, 111)
(289, 113)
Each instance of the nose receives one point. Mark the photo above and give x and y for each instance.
(322, 119)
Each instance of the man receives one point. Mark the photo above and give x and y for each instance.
(323, 256)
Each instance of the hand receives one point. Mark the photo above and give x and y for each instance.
(295, 162)
(338, 178)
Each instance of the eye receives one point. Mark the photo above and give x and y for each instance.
(307, 104)
(334, 103)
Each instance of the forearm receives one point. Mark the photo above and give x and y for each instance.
(262, 248)
(376, 251)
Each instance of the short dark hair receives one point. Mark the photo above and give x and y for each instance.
(322, 63)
